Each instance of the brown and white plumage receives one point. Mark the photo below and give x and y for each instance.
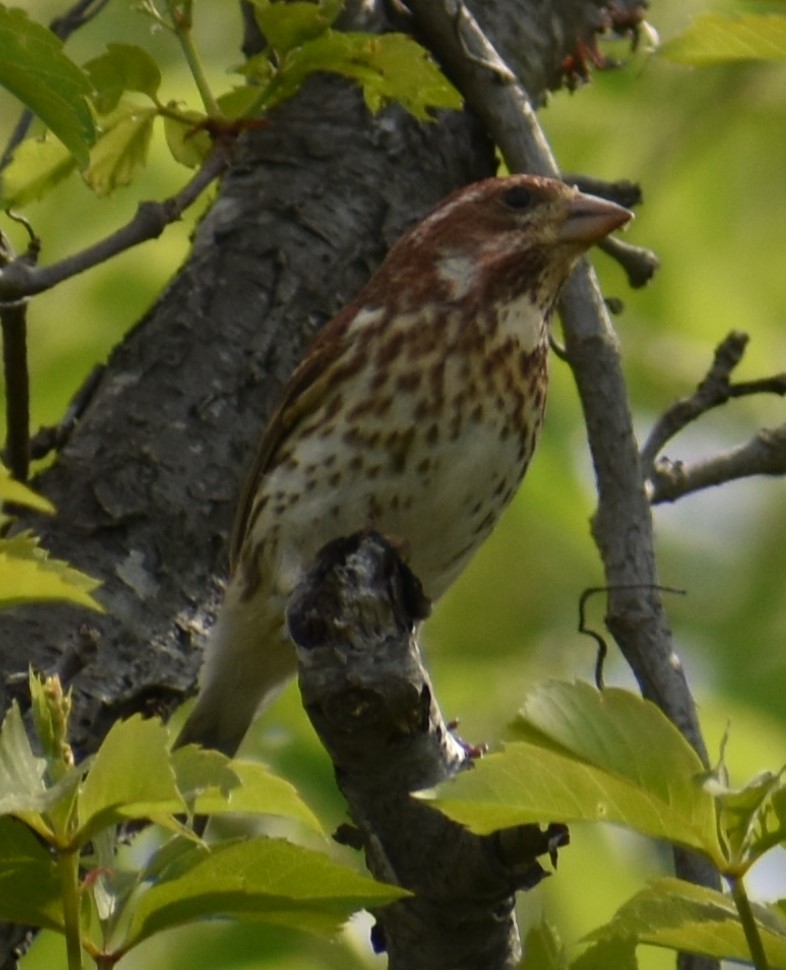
(415, 411)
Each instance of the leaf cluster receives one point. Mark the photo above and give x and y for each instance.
(60, 867)
(580, 755)
(100, 117)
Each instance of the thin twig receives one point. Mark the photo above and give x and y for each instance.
(764, 454)
(640, 264)
(711, 392)
(714, 390)
(18, 280)
(13, 317)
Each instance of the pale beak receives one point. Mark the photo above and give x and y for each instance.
(589, 219)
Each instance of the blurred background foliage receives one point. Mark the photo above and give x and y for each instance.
(707, 147)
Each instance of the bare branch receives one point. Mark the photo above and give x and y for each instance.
(18, 279)
(764, 454)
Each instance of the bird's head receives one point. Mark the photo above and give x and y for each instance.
(503, 235)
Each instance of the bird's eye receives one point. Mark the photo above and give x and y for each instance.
(518, 197)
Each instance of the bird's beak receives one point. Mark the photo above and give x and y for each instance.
(589, 219)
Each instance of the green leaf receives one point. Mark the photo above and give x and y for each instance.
(617, 953)
(23, 783)
(543, 949)
(266, 880)
(34, 68)
(259, 792)
(29, 881)
(28, 575)
(289, 25)
(38, 165)
(714, 38)
(188, 145)
(124, 67)
(679, 915)
(19, 494)
(131, 777)
(388, 67)
(22, 787)
(753, 818)
(242, 102)
(590, 756)
(403, 71)
(122, 150)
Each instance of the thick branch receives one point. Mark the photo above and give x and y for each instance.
(370, 700)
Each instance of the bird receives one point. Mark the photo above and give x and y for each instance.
(414, 412)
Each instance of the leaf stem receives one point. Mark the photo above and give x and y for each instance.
(181, 21)
(68, 864)
(748, 921)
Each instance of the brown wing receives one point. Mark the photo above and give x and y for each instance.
(302, 395)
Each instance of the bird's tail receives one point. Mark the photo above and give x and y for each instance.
(248, 660)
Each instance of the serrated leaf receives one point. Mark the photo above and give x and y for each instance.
(124, 67)
(259, 792)
(388, 67)
(404, 72)
(22, 786)
(715, 38)
(289, 25)
(265, 880)
(19, 494)
(38, 165)
(119, 153)
(131, 777)
(28, 575)
(753, 818)
(590, 756)
(188, 145)
(681, 916)
(34, 68)
(30, 891)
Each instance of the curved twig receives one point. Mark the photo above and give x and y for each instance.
(711, 392)
(764, 454)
